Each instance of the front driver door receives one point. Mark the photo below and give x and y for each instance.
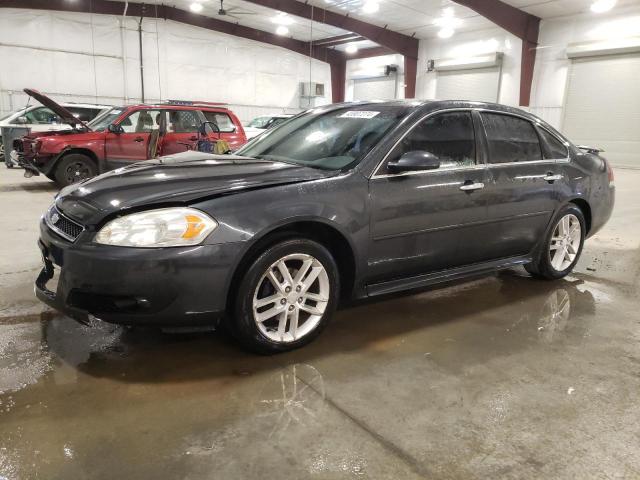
(132, 144)
(424, 221)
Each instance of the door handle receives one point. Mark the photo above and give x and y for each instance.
(138, 139)
(550, 177)
(470, 187)
(193, 139)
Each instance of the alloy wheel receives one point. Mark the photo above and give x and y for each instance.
(565, 242)
(77, 172)
(291, 298)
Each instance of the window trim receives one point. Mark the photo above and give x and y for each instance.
(535, 123)
(478, 165)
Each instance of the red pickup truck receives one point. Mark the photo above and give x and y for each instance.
(121, 136)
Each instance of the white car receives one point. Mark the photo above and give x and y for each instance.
(38, 118)
(264, 122)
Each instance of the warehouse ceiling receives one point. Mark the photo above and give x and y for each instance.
(420, 18)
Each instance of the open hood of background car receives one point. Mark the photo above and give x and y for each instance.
(65, 115)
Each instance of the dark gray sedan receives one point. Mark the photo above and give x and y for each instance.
(340, 202)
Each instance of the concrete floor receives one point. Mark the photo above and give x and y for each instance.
(504, 377)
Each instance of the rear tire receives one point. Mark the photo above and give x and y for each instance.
(562, 247)
(270, 318)
(74, 168)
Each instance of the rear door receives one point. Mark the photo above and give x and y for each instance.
(524, 184)
(182, 131)
(425, 221)
(132, 145)
(229, 132)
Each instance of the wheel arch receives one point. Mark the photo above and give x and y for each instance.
(82, 151)
(315, 229)
(585, 208)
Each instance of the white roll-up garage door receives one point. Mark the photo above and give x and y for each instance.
(378, 88)
(480, 84)
(603, 106)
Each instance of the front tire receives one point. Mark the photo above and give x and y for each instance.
(286, 297)
(74, 168)
(562, 248)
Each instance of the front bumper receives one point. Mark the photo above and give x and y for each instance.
(173, 287)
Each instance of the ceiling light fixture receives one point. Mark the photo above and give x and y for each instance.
(371, 6)
(195, 7)
(447, 23)
(351, 48)
(282, 18)
(282, 30)
(446, 32)
(600, 6)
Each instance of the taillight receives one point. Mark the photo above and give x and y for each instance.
(609, 171)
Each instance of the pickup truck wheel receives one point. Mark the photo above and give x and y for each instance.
(286, 297)
(74, 168)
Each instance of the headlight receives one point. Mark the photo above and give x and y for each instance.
(165, 227)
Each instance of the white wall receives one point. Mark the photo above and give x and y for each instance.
(471, 44)
(552, 65)
(370, 67)
(56, 53)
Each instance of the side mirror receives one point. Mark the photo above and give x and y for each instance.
(414, 161)
(117, 129)
(22, 120)
(212, 127)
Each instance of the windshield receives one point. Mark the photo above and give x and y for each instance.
(330, 140)
(258, 122)
(101, 122)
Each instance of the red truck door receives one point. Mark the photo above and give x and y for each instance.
(132, 144)
(229, 132)
(182, 131)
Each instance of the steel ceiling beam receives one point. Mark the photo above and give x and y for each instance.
(334, 58)
(519, 23)
(396, 42)
(339, 40)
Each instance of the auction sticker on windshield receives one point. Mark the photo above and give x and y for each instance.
(358, 114)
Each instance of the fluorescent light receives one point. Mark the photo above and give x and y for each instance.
(351, 48)
(195, 7)
(446, 32)
(282, 30)
(600, 6)
(371, 6)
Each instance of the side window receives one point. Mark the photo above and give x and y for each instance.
(83, 113)
(183, 121)
(42, 115)
(222, 120)
(551, 146)
(142, 121)
(510, 139)
(449, 136)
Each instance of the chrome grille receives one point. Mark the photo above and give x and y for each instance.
(63, 226)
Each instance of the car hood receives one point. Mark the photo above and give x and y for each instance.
(65, 115)
(176, 180)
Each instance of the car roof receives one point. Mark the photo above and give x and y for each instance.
(433, 105)
(172, 106)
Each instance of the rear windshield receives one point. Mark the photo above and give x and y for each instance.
(330, 140)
